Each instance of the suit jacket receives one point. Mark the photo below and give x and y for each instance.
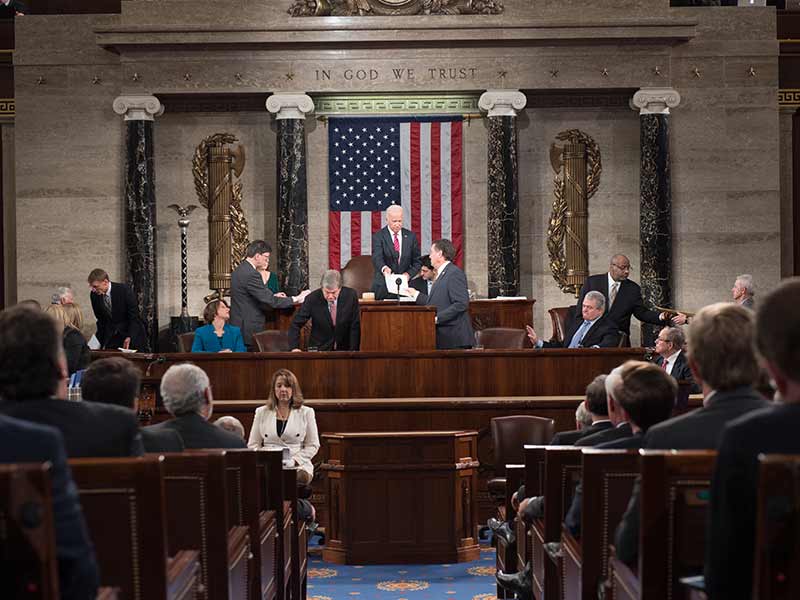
(383, 255)
(681, 371)
(450, 297)
(699, 429)
(163, 440)
(76, 350)
(347, 332)
(90, 429)
(249, 296)
(602, 333)
(123, 322)
(14, 7)
(420, 284)
(568, 438)
(197, 433)
(300, 435)
(628, 302)
(205, 340)
(734, 495)
(611, 434)
(22, 442)
(749, 303)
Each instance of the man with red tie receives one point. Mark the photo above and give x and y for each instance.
(671, 357)
(395, 249)
(335, 321)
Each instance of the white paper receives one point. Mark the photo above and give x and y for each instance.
(391, 283)
(94, 343)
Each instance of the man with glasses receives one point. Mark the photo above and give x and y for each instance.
(623, 297)
(671, 357)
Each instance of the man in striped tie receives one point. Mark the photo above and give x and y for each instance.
(395, 249)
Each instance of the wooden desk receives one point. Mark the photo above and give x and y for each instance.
(402, 497)
(397, 327)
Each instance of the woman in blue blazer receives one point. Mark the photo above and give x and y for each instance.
(218, 336)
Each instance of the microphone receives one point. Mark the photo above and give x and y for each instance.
(159, 360)
(398, 282)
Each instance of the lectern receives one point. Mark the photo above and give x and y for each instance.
(397, 327)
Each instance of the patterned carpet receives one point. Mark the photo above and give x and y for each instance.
(463, 581)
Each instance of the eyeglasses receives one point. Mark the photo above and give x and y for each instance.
(622, 268)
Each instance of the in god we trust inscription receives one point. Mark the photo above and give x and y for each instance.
(398, 74)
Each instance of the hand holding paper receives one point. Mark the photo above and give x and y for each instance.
(397, 283)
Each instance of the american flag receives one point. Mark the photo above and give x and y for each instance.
(376, 162)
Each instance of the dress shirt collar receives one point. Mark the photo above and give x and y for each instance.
(612, 282)
(440, 270)
(670, 362)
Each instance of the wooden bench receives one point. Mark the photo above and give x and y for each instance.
(123, 503)
(607, 480)
(299, 539)
(506, 559)
(198, 519)
(271, 463)
(777, 557)
(561, 473)
(674, 493)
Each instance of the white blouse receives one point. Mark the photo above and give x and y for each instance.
(300, 435)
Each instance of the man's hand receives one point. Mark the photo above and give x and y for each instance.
(127, 343)
(296, 350)
(412, 293)
(301, 296)
(680, 319)
(225, 350)
(280, 294)
(386, 271)
(532, 335)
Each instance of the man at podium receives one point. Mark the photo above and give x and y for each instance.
(395, 249)
(450, 297)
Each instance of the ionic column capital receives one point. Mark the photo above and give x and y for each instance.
(290, 106)
(138, 108)
(502, 103)
(655, 101)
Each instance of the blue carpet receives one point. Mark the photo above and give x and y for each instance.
(462, 581)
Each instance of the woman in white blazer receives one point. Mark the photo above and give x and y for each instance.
(284, 422)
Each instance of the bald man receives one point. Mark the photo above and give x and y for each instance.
(395, 249)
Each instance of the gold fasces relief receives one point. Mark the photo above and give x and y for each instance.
(214, 166)
(362, 8)
(577, 167)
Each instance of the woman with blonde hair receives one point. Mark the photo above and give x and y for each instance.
(285, 422)
(75, 347)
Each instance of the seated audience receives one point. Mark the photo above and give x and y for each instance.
(773, 430)
(23, 442)
(743, 291)
(186, 392)
(427, 274)
(583, 418)
(217, 335)
(284, 421)
(33, 386)
(723, 362)
(645, 396)
(594, 330)
(621, 428)
(334, 314)
(63, 295)
(117, 381)
(597, 406)
(231, 425)
(75, 347)
(671, 357)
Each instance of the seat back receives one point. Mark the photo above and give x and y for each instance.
(27, 533)
(559, 317)
(502, 337)
(777, 556)
(185, 341)
(510, 434)
(272, 341)
(358, 274)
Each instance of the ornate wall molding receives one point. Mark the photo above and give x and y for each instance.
(290, 106)
(789, 98)
(388, 104)
(502, 103)
(8, 107)
(392, 8)
(138, 108)
(655, 101)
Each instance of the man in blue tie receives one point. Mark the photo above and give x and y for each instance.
(593, 331)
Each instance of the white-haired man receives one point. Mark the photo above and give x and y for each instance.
(395, 249)
(186, 392)
(335, 320)
(743, 292)
(592, 331)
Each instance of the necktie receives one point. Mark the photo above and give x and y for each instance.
(332, 308)
(612, 295)
(664, 364)
(396, 243)
(578, 337)
(107, 302)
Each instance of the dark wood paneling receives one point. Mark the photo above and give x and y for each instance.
(796, 189)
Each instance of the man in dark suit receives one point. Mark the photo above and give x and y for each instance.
(116, 381)
(395, 249)
(671, 357)
(23, 442)
(114, 307)
(33, 386)
(597, 406)
(623, 297)
(12, 8)
(593, 330)
(427, 275)
(250, 295)
(334, 314)
(743, 291)
(773, 430)
(186, 392)
(724, 364)
(450, 297)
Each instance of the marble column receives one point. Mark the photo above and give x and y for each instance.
(290, 112)
(502, 107)
(655, 200)
(140, 206)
